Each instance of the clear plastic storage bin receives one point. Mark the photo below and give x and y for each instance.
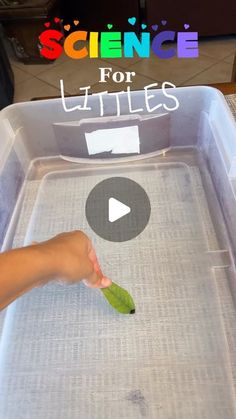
(64, 353)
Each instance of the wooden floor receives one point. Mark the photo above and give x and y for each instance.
(226, 88)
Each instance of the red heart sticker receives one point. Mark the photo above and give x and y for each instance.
(56, 20)
(47, 24)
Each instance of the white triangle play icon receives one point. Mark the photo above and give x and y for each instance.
(117, 210)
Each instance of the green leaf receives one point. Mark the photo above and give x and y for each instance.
(119, 299)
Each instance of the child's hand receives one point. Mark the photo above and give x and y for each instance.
(68, 256)
(74, 259)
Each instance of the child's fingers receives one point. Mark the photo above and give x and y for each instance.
(94, 260)
(96, 281)
(102, 281)
(105, 282)
(91, 280)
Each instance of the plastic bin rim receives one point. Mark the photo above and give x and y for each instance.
(133, 92)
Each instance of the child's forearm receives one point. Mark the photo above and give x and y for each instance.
(69, 256)
(23, 269)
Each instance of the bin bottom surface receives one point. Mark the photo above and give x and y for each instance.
(65, 353)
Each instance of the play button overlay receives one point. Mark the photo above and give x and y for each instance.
(118, 209)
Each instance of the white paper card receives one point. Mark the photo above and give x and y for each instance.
(123, 140)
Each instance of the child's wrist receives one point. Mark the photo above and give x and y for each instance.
(45, 261)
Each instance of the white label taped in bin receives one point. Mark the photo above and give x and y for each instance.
(123, 140)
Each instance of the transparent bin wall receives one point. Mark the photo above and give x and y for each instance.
(216, 158)
(12, 176)
(33, 122)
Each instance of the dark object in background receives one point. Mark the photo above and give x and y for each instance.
(95, 15)
(6, 76)
(207, 17)
(234, 70)
(23, 21)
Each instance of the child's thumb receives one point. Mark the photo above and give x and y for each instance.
(94, 280)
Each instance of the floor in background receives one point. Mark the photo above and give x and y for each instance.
(214, 65)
